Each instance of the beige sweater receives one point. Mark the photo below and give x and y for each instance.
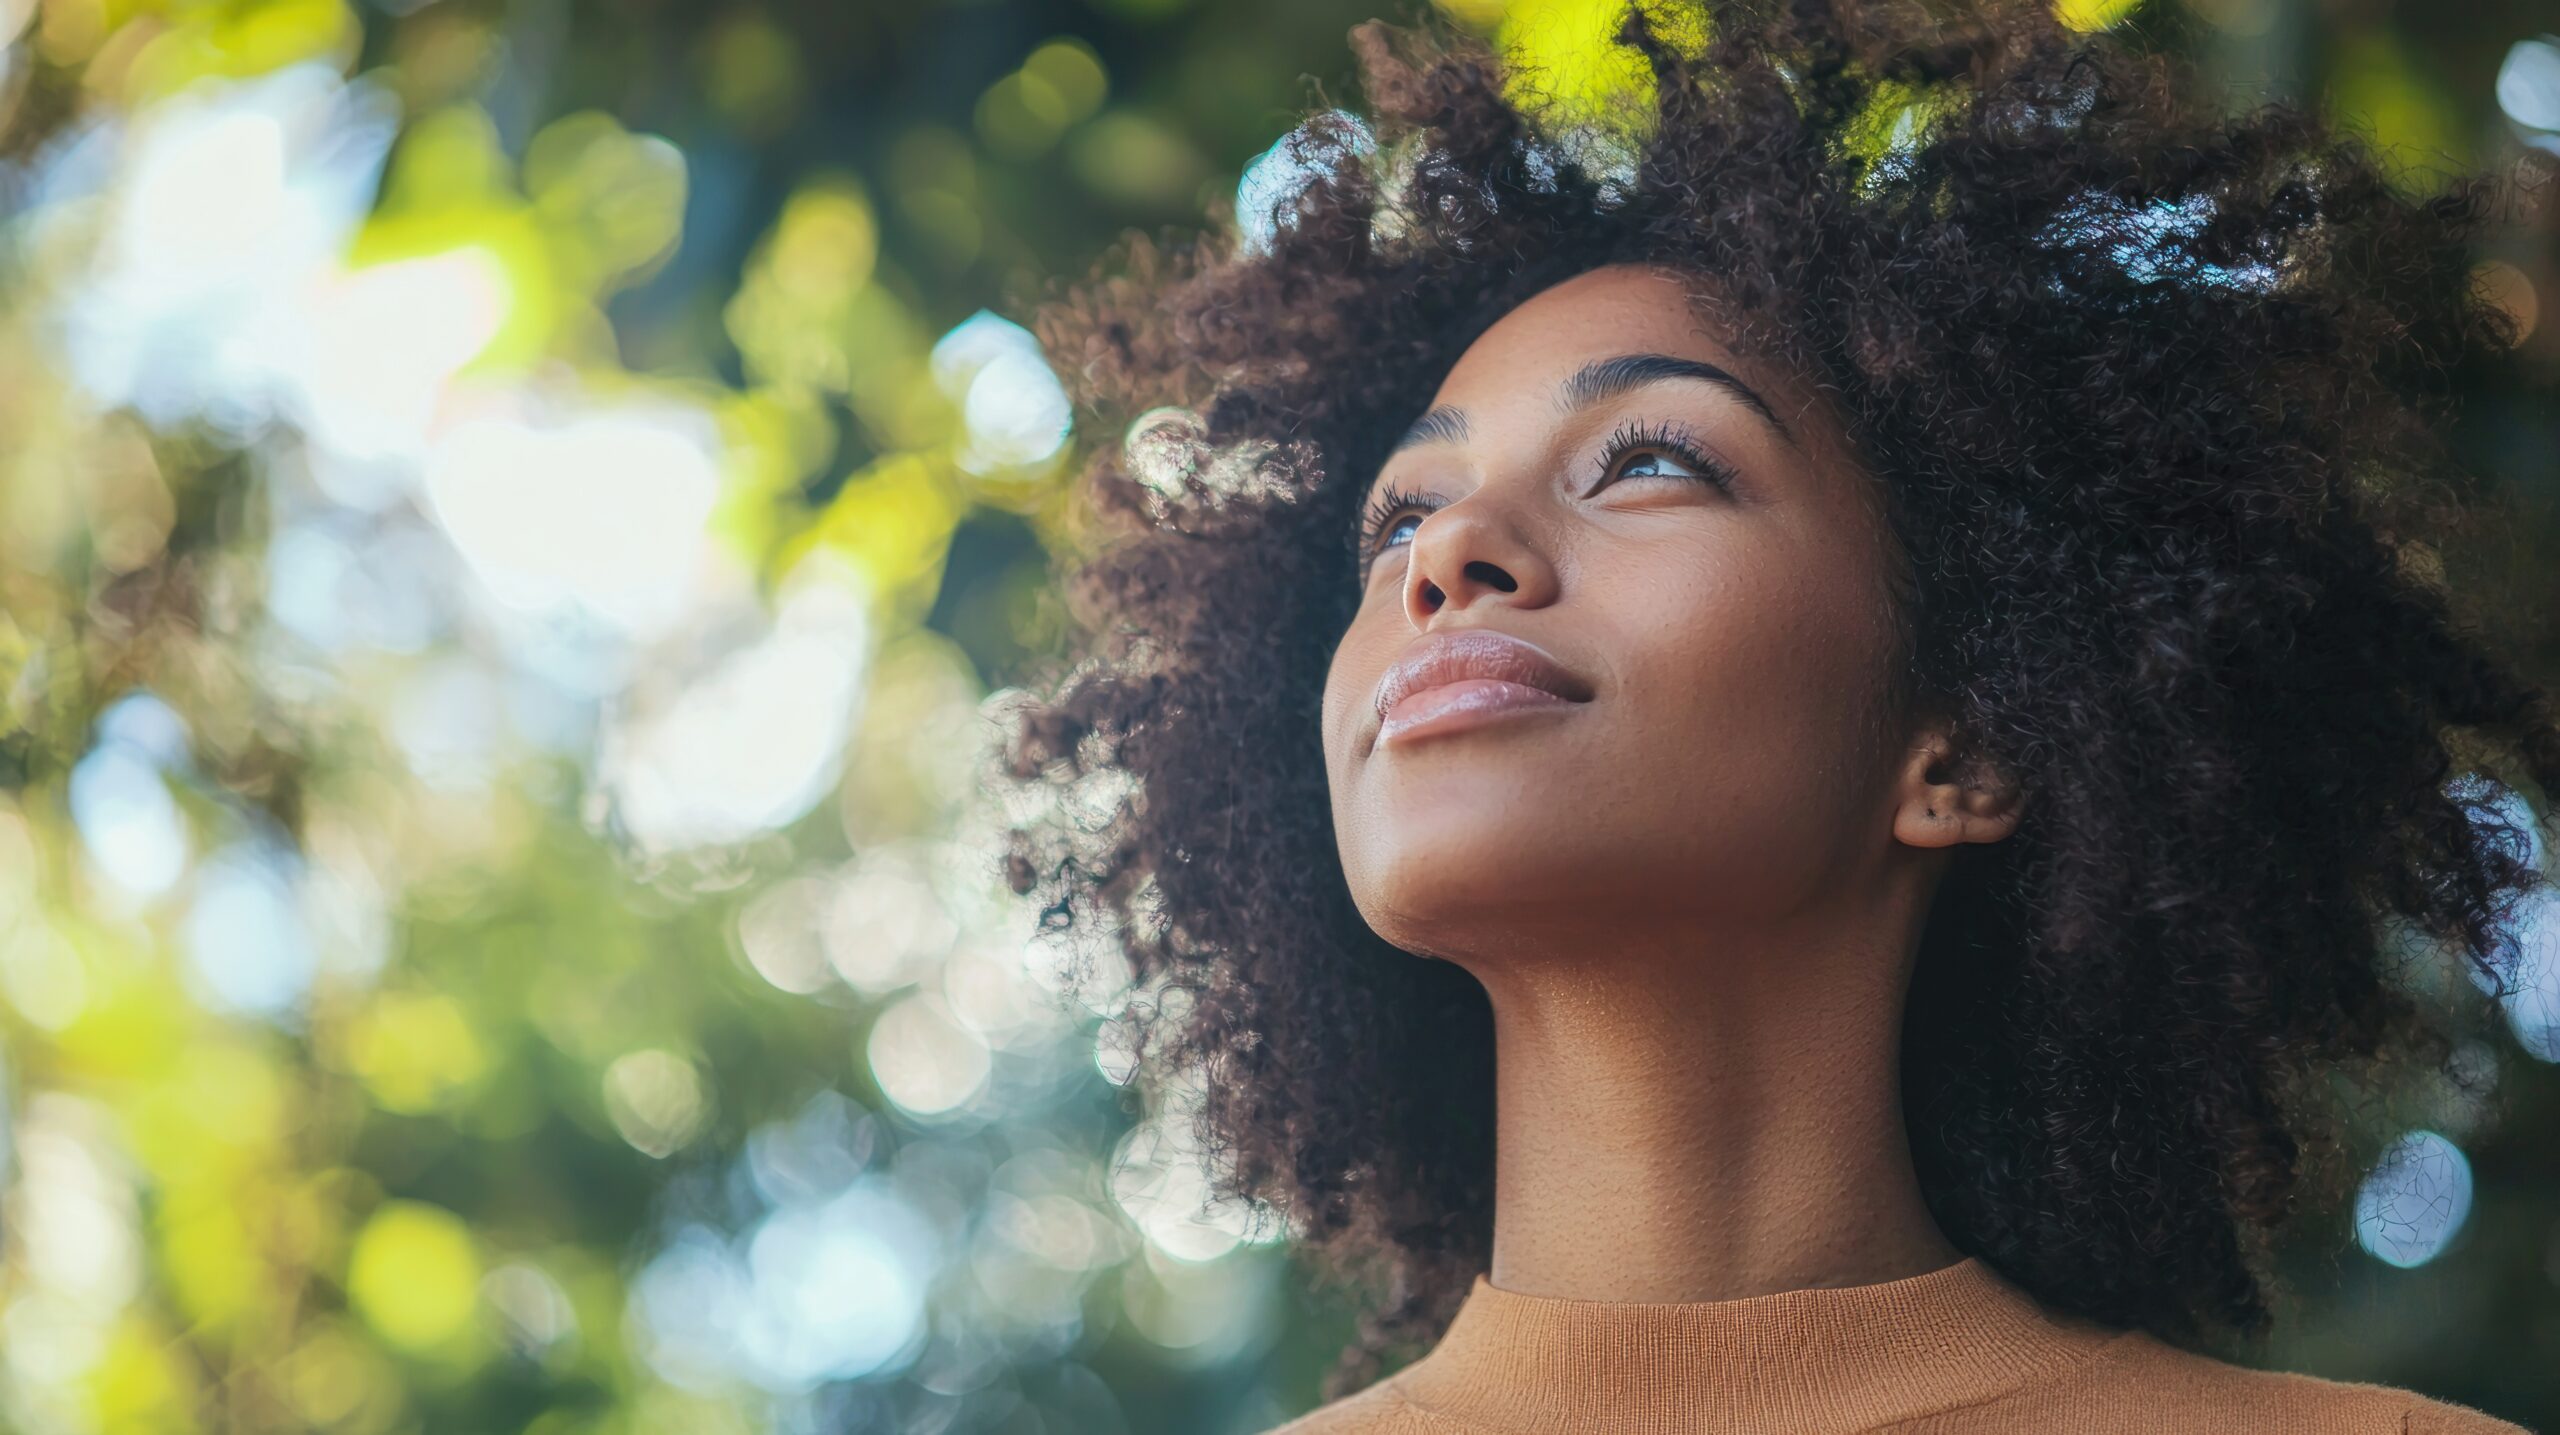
(1958, 1349)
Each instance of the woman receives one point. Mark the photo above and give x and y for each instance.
(1765, 741)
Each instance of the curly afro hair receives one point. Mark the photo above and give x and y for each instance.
(2158, 400)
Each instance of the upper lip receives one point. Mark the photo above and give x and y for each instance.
(1457, 654)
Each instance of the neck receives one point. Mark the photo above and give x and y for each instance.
(1705, 1120)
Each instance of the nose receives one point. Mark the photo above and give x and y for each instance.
(1469, 552)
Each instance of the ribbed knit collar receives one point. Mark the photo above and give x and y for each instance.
(1838, 1358)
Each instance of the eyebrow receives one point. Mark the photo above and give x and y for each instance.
(1441, 425)
(1598, 382)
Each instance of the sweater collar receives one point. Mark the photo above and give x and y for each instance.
(1827, 1358)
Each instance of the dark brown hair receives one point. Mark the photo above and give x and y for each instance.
(2155, 396)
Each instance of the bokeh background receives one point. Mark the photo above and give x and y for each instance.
(518, 520)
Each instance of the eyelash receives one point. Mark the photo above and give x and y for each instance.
(1629, 439)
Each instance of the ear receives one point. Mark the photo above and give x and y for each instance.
(1947, 796)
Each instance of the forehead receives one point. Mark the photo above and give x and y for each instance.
(1619, 309)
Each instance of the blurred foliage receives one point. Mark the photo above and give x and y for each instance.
(518, 522)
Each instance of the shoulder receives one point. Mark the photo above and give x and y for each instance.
(1378, 1410)
(2137, 1381)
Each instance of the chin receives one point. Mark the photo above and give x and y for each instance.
(1448, 887)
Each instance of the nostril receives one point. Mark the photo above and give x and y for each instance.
(1492, 577)
(1431, 596)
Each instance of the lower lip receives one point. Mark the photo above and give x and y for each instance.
(1456, 707)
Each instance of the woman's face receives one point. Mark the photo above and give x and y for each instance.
(1624, 602)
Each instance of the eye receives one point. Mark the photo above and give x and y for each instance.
(1644, 464)
(1659, 451)
(1389, 521)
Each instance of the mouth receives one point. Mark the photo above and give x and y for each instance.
(1465, 677)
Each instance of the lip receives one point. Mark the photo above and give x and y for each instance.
(1460, 678)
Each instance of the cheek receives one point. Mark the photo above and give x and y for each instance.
(1758, 639)
(1348, 681)
(1749, 687)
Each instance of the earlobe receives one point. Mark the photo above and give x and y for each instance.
(1948, 797)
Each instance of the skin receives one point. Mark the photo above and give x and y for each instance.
(1694, 899)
